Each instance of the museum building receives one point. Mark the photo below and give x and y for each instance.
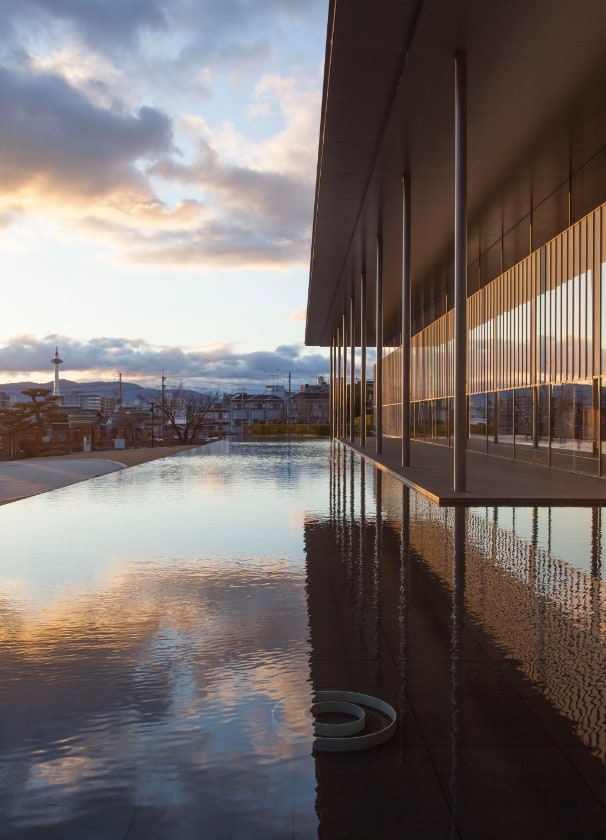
(459, 227)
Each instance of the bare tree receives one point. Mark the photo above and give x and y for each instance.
(185, 411)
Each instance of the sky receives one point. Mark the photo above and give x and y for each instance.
(157, 174)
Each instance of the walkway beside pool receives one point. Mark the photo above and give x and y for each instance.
(491, 481)
(21, 479)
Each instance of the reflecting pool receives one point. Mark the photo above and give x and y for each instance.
(154, 651)
(163, 630)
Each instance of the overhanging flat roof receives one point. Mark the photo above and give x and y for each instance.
(536, 116)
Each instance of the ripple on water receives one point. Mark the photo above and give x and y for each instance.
(157, 653)
(156, 618)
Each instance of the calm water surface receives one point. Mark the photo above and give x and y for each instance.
(162, 630)
(154, 649)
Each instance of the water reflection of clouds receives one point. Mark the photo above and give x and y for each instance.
(176, 598)
(148, 636)
(71, 536)
(190, 663)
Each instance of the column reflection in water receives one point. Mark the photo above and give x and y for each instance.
(332, 473)
(546, 612)
(351, 524)
(486, 643)
(361, 572)
(456, 649)
(360, 642)
(405, 562)
(596, 543)
(376, 604)
(344, 523)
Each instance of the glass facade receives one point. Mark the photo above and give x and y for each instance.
(535, 358)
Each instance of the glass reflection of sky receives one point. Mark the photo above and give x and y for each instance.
(152, 621)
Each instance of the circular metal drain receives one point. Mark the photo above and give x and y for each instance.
(338, 730)
(349, 743)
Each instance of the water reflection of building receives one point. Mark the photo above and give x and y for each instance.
(520, 372)
(543, 612)
(493, 652)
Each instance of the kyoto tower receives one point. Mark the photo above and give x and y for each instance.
(56, 361)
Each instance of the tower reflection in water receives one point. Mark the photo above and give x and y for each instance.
(489, 644)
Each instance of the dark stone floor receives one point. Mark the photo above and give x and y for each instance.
(483, 750)
(490, 480)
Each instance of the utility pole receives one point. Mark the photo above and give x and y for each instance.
(163, 400)
(120, 401)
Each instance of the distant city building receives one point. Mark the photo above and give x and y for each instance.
(95, 402)
(6, 400)
(311, 404)
(276, 391)
(246, 409)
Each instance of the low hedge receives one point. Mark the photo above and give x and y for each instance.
(315, 429)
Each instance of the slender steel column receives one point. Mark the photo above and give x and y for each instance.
(406, 321)
(460, 276)
(344, 405)
(379, 337)
(331, 389)
(338, 388)
(335, 396)
(363, 359)
(352, 367)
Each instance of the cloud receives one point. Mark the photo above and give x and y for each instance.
(102, 357)
(107, 129)
(229, 31)
(93, 167)
(261, 192)
(55, 141)
(297, 315)
(246, 218)
(108, 24)
(238, 33)
(8, 216)
(294, 147)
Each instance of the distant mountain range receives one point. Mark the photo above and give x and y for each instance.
(131, 392)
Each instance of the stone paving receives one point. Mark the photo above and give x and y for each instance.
(29, 477)
(491, 480)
